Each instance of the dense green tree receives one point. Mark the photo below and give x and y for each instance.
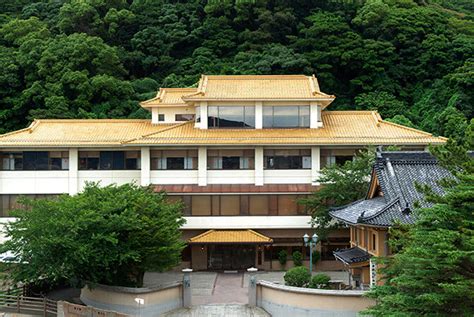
(432, 274)
(340, 185)
(402, 57)
(108, 235)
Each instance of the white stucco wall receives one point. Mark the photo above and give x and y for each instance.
(287, 176)
(34, 182)
(174, 177)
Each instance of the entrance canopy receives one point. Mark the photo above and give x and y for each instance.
(230, 237)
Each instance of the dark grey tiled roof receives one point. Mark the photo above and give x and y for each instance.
(352, 255)
(397, 173)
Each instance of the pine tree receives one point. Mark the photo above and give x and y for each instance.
(432, 274)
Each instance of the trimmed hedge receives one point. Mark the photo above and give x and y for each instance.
(298, 276)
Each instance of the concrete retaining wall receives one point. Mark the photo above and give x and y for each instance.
(156, 301)
(283, 301)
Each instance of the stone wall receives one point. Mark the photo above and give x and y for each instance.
(282, 301)
(127, 300)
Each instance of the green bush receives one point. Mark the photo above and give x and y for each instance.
(282, 257)
(298, 276)
(316, 256)
(297, 258)
(319, 281)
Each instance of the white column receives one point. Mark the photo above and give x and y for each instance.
(258, 115)
(73, 171)
(202, 166)
(154, 115)
(145, 178)
(259, 166)
(313, 115)
(203, 107)
(315, 164)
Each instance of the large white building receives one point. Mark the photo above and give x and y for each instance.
(240, 151)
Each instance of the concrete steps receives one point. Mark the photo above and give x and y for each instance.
(218, 310)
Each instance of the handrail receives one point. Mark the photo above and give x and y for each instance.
(19, 303)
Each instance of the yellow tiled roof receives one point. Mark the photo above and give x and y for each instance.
(340, 128)
(259, 87)
(88, 132)
(168, 97)
(230, 236)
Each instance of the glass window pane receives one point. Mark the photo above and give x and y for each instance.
(118, 160)
(106, 159)
(92, 163)
(201, 205)
(230, 162)
(231, 117)
(258, 205)
(131, 164)
(249, 120)
(285, 117)
(267, 117)
(198, 114)
(230, 205)
(304, 116)
(29, 161)
(42, 161)
(287, 205)
(175, 163)
(212, 117)
(55, 163)
(184, 117)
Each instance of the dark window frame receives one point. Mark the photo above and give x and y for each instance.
(155, 164)
(35, 161)
(182, 117)
(108, 161)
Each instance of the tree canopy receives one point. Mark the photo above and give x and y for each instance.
(432, 272)
(411, 60)
(109, 235)
(340, 185)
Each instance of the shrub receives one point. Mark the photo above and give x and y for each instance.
(319, 281)
(298, 276)
(282, 257)
(316, 256)
(297, 258)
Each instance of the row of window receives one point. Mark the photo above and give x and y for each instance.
(244, 117)
(241, 205)
(165, 160)
(10, 202)
(177, 117)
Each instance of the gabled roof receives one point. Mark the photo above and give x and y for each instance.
(230, 236)
(259, 87)
(352, 255)
(355, 128)
(396, 173)
(168, 97)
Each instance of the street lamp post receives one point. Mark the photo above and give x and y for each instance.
(311, 244)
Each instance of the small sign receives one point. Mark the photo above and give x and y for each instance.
(373, 273)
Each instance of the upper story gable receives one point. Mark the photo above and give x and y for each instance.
(243, 101)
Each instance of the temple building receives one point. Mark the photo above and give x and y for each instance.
(392, 199)
(239, 151)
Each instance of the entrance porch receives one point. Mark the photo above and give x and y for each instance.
(222, 250)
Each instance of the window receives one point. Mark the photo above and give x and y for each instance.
(10, 202)
(287, 159)
(286, 117)
(35, 161)
(336, 156)
(230, 205)
(230, 159)
(231, 117)
(174, 159)
(109, 160)
(161, 117)
(374, 242)
(184, 117)
(258, 205)
(201, 205)
(198, 114)
(332, 244)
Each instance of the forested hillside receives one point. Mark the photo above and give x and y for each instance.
(413, 61)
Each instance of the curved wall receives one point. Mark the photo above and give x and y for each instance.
(157, 301)
(282, 301)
